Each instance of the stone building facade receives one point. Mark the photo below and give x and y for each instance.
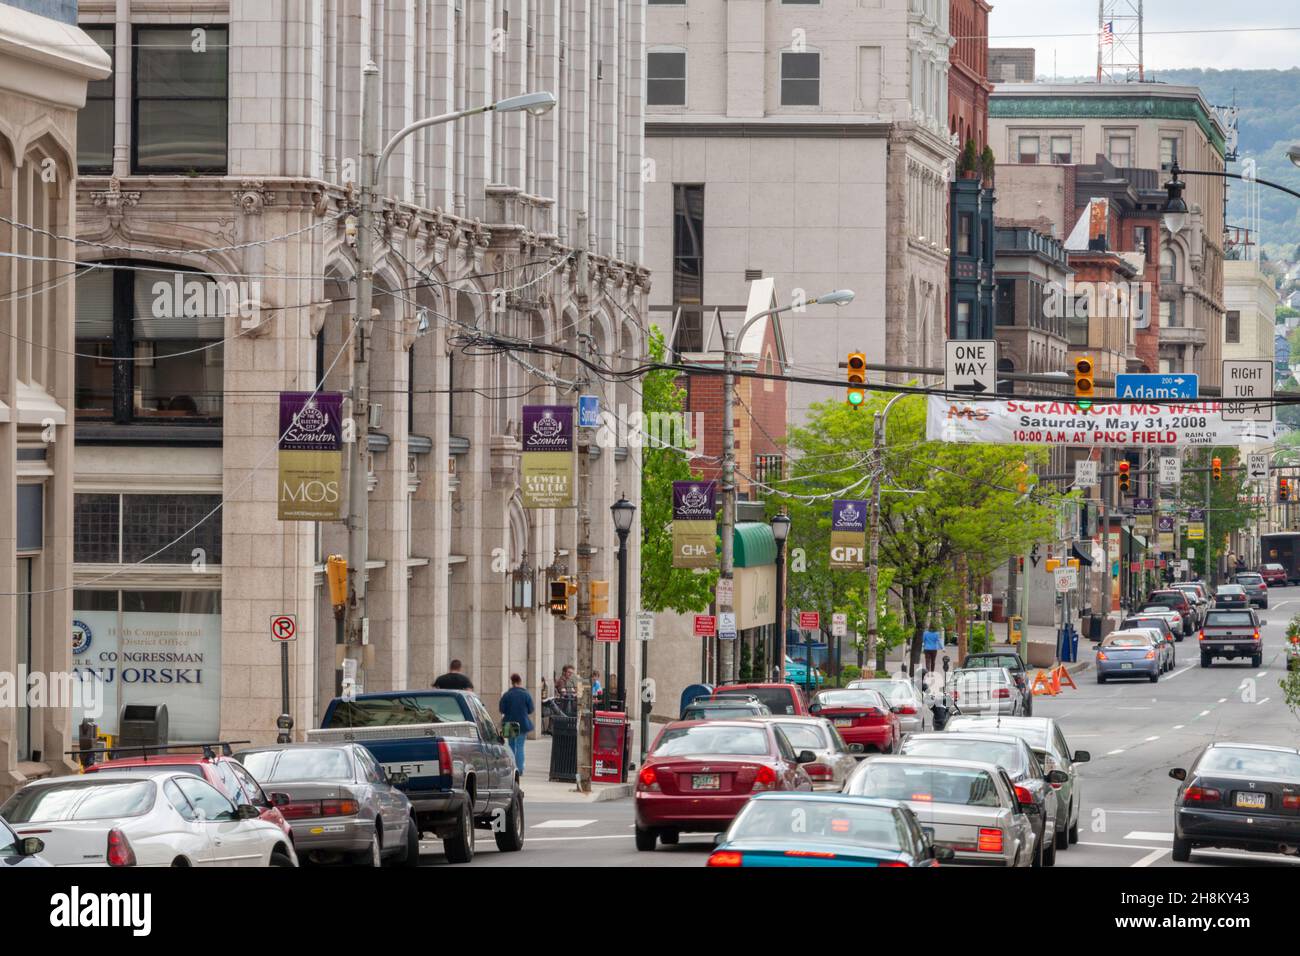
(251, 180)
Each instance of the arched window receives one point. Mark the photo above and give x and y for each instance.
(1168, 265)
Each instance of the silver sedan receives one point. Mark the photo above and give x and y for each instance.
(835, 759)
(904, 699)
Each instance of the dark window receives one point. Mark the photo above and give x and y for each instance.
(962, 330)
(688, 265)
(180, 99)
(95, 528)
(95, 121)
(31, 517)
(1006, 302)
(801, 79)
(1142, 240)
(157, 528)
(1232, 327)
(964, 225)
(666, 78)
(321, 364)
(1076, 328)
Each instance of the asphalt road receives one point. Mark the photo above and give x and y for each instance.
(1135, 732)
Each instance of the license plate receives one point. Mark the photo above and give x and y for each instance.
(704, 781)
(1126, 666)
(1252, 801)
(843, 721)
(1229, 647)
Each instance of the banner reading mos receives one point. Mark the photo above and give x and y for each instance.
(311, 456)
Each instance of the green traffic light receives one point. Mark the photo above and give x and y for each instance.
(856, 398)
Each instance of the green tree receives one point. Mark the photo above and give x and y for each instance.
(664, 587)
(1230, 508)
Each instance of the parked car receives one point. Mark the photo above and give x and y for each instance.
(861, 716)
(1165, 644)
(726, 708)
(837, 830)
(904, 698)
(781, 699)
(20, 851)
(1015, 757)
(1180, 626)
(1144, 619)
(835, 758)
(1238, 796)
(969, 806)
(1130, 653)
(1200, 598)
(1015, 667)
(172, 818)
(987, 690)
(1274, 575)
(1256, 588)
(1231, 634)
(1174, 598)
(1048, 743)
(1231, 596)
(341, 804)
(222, 770)
(699, 774)
(460, 771)
(796, 672)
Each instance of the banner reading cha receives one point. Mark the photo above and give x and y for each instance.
(695, 526)
(1104, 425)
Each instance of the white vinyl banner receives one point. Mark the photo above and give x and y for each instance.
(1105, 424)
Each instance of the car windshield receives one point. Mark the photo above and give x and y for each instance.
(1229, 619)
(1009, 661)
(703, 739)
(926, 784)
(849, 698)
(798, 822)
(1167, 599)
(778, 699)
(313, 764)
(1231, 589)
(720, 713)
(1036, 737)
(1003, 753)
(388, 711)
(1260, 763)
(804, 736)
(84, 799)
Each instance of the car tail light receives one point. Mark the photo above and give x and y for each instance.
(1023, 795)
(894, 863)
(1256, 633)
(765, 779)
(725, 858)
(1151, 654)
(1101, 656)
(444, 758)
(647, 779)
(300, 809)
(119, 850)
(907, 709)
(1201, 795)
(814, 854)
(1291, 801)
(1201, 636)
(955, 695)
(1004, 693)
(338, 808)
(922, 797)
(818, 770)
(990, 840)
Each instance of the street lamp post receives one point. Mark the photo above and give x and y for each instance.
(1128, 522)
(780, 531)
(370, 174)
(624, 512)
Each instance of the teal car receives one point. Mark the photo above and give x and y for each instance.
(825, 829)
(796, 672)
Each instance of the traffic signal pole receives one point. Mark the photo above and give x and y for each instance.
(584, 548)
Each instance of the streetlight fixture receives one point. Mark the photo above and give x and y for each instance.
(624, 513)
(780, 531)
(1293, 153)
(1128, 521)
(1176, 212)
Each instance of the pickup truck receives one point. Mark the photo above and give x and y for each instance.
(1231, 634)
(444, 752)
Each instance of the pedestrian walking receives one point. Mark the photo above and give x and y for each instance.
(516, 708)
(453, 679)
(932, 644)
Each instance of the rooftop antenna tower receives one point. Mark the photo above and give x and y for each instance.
(1119, 41)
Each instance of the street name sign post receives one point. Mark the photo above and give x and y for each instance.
(1156, 385)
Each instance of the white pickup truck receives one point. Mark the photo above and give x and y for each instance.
(1231, 634)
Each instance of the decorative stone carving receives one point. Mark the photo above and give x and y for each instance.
(115, 201)
(505, 454)
(251, 197)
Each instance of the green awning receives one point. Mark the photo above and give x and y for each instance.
(753, 544)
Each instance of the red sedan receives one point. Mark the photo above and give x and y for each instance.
(700, 773)
(1274, 575)
(783, 700)
(225, 773)
(861, 716)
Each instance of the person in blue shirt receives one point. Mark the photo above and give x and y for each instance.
(932, 644)
(516, 708)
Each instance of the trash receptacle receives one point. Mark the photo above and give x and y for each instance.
(142, 725)
(564, 749)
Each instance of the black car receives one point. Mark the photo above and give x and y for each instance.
(1256, 589)
(1013, 664)
(1231, 596)
(1241, 797)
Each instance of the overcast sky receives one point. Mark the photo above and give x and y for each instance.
(1067, 29)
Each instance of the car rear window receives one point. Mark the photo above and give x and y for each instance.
(1168, 599)
(777, 699)
(390, 711)
(926, 784)
(148, 769)
(1233, 589)
(804, 736)
(818, 821)
(314, 764)
(1229, 619)
(1006, 755)
(703, 739)
(1159, 623)
(1134, 640)
(718, 713)
(1009, 661)
(849, 698)
(1035, 736)
(79, 800)
(1261, 763)
(1250, 578)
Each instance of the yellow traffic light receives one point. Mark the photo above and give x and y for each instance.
(1124, 476)
(1217, 467)
(599, 598)
(1051, 564)
(857, 376)
(1083, 381)
(336, 573)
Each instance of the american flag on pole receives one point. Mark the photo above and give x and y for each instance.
(1108, 33)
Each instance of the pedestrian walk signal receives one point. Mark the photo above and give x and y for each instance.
(561, 590)
(1216, 466)
(1083, 382)
(1124, 482)
(857, 376)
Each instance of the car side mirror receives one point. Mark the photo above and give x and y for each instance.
(1178, 773)
(246, 811)
(815, 709)
(806, 756)
(1081, 756)
(945, 854)
(279, 799)
(857, 748)
(1057, 777)
(718, 838)
(30, 846)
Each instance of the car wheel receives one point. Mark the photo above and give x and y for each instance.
(1049, 853)
(1182, 851)
(412, 855)
(669, 837)
(1074, 832)
(1257, 660)
(511, 838)
(1100, 679)
(459, 847)
(1205, 660)
(280, 859)
(1155, 677)
(645, 839)
(372, 855)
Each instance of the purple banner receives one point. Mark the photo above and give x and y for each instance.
(694, 500)
(311, 456)
(548, 428)
(848, 515)
(311, 421)
(1142, 506)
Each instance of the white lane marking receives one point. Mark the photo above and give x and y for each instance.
(1202, 713)
(1149, 739)
(1149, 858)
(1223, 700)
(1179, 726)
(1147, 835)
(1262, 674)
(1116, 846)
(565, 839)
(1264, 701)
(561, 824)
(1176, 673)
(1109, 810)
(1114, 752)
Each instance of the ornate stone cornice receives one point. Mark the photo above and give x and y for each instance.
(252, 197)
(1013, 106)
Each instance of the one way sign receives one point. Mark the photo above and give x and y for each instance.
(971, 366)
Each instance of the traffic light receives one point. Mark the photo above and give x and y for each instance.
(1283, 490)
(1022, 477)
(336, 572)
(1124, 483)
(558, 598)
(1216, 466)
(599, 598)
(1083, 384)
(857, 375)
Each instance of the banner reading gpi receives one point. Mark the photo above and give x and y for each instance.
(1116, 424)
(848, 534)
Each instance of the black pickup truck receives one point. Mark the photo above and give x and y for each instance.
(1231, 634)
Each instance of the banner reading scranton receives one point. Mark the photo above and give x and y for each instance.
(848, 534)
(548, 456)
(1104, 425)
(695, 528)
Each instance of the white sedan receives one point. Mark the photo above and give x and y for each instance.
(1175, 619)
(168, 819)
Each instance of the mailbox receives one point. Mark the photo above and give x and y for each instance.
(609, 747)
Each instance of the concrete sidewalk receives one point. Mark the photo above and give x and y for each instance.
(537, 786)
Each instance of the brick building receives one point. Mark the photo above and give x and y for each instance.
(968, 75)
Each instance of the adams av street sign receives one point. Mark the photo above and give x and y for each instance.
(1156, 385)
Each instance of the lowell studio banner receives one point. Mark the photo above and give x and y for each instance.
(1104, 425)
(311, 456)
(848, 535)
(548, 457)
(695, 527)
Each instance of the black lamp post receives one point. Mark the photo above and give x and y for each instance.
(624, 513)
(1176, 211)
(780, 531)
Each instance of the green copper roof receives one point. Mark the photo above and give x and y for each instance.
(1015, 106)
(753, 544)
